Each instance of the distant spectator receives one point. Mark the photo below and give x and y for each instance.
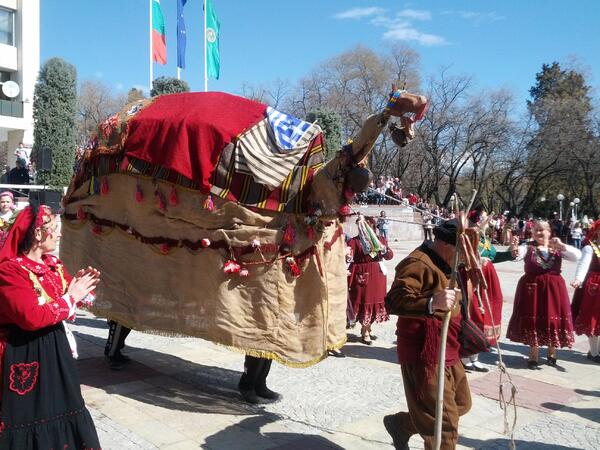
(32, 172)
(23, 153)
(4, 177)
(427, 226)
(412, 199)
(576, 233)
(383, 225)
(20, 174)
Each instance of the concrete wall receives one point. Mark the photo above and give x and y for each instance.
(26, 54)
(402, 226)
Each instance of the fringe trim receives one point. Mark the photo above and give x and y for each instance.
(248, 351)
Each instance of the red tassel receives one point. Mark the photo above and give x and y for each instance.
(80, 213)
(104, 186)
(348, 193)
(345, 210)
(165, 248)
(294, 269)
(231, 267)
(310, 233)
(173, 200)
(289, 235)
(97, 229)
(160, 201)
(139, 195)
(208, 203)
(205, 243)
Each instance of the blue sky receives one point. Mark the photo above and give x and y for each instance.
(500, 43)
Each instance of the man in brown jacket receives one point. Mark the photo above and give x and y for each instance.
(420, 296)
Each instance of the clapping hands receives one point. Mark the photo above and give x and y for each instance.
(83, 283)
(557, 244)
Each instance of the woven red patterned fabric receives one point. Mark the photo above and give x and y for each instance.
(186, 132)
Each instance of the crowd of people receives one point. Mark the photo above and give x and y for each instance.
(543, 314)
(38, 297)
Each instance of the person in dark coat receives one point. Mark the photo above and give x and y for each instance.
(421, 296)
(19, 174)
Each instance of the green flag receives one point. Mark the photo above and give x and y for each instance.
(212, 41)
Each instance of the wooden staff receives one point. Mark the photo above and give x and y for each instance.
(439, 406)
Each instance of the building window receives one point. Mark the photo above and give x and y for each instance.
(7, 27)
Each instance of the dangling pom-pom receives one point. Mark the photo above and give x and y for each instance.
(165, 248)
(173, 200)
(208, 203)
(205, 243)
(345, 210)
(289, 235)
(244, 272)
(80, 213)
(348, 193)
(139, 195)
(231, 267)
(293, 267)
(97, 229)
(104, 186)
(160, 200)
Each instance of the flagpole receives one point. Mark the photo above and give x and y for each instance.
(205, 68)
(179, 73)
(150, 3)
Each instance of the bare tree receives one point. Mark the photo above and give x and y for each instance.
(95, 102)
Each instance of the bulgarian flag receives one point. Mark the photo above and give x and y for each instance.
(159, 45)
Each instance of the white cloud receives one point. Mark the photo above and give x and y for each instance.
(414, 14)
(408, 33)
(398, 26)
(359, 13)
(476, 16)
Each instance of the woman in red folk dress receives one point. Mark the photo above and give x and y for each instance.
(586, 301)
(41, 403)
(542, 313)
(488, 320)
(368, 281)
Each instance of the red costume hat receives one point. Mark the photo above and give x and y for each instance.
(591, 234)
(19, 229)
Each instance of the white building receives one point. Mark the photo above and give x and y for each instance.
(20, 64)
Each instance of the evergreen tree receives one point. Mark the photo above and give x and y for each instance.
(54, 110)
(331, 124)
(563, 152)
(168, 85)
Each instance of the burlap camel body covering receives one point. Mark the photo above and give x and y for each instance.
(269, 313)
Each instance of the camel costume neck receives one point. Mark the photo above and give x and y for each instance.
(327, 191)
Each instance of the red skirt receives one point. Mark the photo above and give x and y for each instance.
(541, 312)
(489, 321)
(368, 287)
(586, 306)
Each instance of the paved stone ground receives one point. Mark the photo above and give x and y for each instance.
(180, 393)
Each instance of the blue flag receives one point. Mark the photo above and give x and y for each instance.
(181, 34)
